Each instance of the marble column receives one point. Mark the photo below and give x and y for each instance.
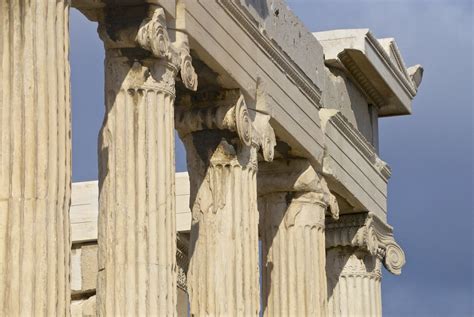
(356, 247)
(293, 202)
(222, 143)
(137, 230)
(35, 158)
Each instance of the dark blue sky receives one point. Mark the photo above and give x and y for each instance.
(430, 152)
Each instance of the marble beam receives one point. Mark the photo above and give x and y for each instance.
(356, 246)
(293, 202)
(35, 158)
(137, 232)
(222, 144)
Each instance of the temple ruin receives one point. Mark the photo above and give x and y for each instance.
(283, 211)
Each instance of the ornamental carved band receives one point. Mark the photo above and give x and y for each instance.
(367, 232)
(234, 118)
(153, 36)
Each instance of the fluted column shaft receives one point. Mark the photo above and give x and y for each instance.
(293, 248)
(223, 276)
(357, 244)
(354, 283)
(137, 231)
(293, 201)
(222, 143)
(35, 158)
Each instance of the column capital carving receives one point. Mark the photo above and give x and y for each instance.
(233, 117)
(354, 264)
(151, 38)
(299, 177)
(369, 233)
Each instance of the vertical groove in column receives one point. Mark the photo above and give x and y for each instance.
(293, 264)
(35, 158)
(137, 233)
(223, 272)
(353, 283)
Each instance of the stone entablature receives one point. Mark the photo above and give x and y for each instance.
(352, 166)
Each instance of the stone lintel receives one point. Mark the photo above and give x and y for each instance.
(352, 166)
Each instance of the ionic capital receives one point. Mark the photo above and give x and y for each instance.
(153, 36)
(149, 39)
(296, 176)
(367, 232)
(232, 117)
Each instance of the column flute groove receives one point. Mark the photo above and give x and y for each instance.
(137, 230)
(35, 158)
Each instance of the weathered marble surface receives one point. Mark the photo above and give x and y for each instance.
(293, 203)
(356, 247)
(222, 142)
(137, 231)
(35, 158)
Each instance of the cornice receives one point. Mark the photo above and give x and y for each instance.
(361, 79)
(360, 143)
(280, 58)
(367, 232)
(403, 78)
(375, 66)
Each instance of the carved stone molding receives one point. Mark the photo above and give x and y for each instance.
(233, 117)
(362, 79)
(354, 282)
(297, 176)
(400, 71)
(153, 36)
(355, 263)
(359, 142)
(367, 232)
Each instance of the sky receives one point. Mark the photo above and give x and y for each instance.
(430, 202)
